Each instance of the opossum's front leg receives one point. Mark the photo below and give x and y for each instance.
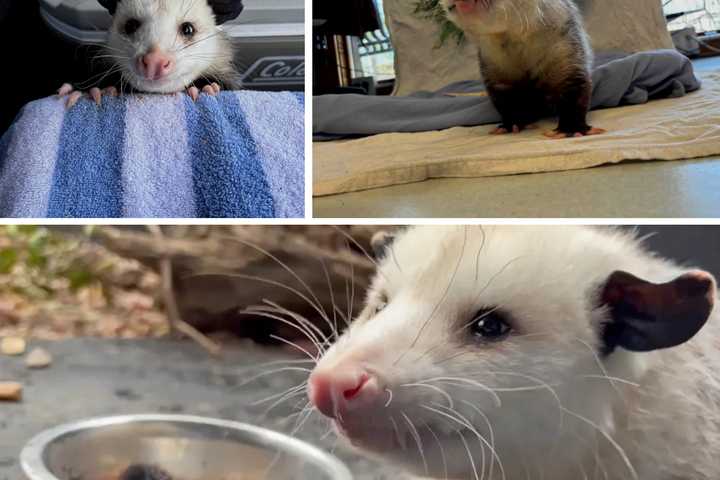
(573, 104)
(515, 111)
(73, 96)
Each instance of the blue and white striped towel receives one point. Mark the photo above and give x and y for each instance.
(238, 155)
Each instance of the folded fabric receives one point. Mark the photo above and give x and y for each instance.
(237, 155)
(667, 129)
(617, 80)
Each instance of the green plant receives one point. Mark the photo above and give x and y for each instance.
(432, 10)
(36, 262)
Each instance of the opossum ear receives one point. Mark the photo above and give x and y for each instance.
(648, 316)
(110, 5)
(226, 10)
(380, 243)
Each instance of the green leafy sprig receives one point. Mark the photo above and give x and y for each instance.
(432, 10)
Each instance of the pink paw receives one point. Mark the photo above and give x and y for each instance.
(515, 129)
(556, 135)
(212, 89)
(73, 96)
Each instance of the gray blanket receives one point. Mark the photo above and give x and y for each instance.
(617, 80)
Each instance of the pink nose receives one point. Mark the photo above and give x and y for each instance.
(155, 64)
(340, 391)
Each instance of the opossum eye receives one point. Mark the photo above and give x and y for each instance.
(131, 26)
(187, 29)
(381, 304)
(490, 325)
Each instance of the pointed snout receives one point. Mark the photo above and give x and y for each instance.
(156, 64)
(338, 392)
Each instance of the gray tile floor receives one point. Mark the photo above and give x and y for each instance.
(677, 189)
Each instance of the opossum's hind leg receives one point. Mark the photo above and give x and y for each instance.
(573, 104)
(74, 96)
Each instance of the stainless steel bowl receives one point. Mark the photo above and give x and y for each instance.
(186, 447)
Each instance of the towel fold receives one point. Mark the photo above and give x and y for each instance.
(237, 155)
(617, 80)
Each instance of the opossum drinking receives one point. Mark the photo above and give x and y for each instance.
(513, 352)
(166, 46)
(535, 58)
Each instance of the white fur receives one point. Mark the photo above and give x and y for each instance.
(207, 53)
(567, 421)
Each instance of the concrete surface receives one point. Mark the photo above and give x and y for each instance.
(674, 189)
(677, 189)
(97, 377)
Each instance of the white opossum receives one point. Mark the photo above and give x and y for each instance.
(167, 46)
(535, 58)
(530, 352)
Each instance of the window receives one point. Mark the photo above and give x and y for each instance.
(373, 55)
(704, 15)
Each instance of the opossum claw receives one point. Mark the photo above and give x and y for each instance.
(64, 89)
(96, 95)
(194, 93)
(112, 91)
(73, 98)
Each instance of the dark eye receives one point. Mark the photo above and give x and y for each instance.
(187, 29)
(131, 26)
(381, 304)
(490, 324)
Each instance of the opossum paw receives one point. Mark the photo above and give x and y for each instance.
(505, 129)
(74, 96)
(212, 89)
(556, 134)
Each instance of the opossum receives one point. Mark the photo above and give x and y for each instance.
(529, 352)
(167, 46)
(535, 58)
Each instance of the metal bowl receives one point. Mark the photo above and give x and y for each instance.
(186, 447)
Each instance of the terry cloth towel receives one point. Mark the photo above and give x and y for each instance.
(238, 155)
(667, 129)
(617, 80)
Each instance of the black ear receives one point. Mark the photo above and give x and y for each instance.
(380, 243)
(226, 10)
(110, 5)
(648, 316)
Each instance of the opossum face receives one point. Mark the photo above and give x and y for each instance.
(485, 17)
(164, 45)
(480, 348)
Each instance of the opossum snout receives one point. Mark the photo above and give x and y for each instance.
(341, 391)
(156, 64)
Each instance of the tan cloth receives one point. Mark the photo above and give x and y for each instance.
(669, 129)
(624, 25)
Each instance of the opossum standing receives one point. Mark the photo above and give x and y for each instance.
(166, 46)
(535, 58)
(524, 352)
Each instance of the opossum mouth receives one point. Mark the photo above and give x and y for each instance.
(387, 435)
(163, 85)
(369, 436)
